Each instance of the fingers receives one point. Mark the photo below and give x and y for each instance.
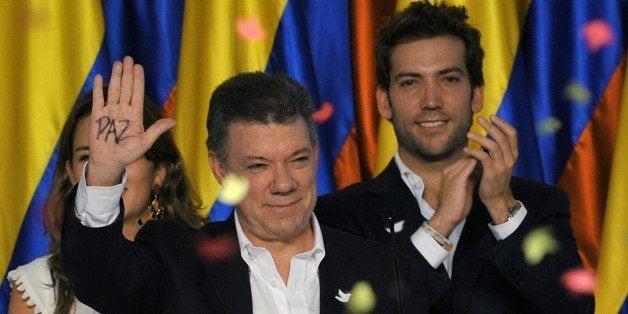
(127, 81)
(137, 96)
(98, 98)
(501, 144)
(113, 92)
(510, 132)
(123, 81)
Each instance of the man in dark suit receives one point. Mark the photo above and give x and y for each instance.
(455, 208)
(271, 256)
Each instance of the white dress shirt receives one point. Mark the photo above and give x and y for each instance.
(423, 241)
(269, 293)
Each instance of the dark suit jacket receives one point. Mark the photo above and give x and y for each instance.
(162, 271)
(489, 276)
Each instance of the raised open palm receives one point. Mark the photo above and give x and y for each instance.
(117, 136)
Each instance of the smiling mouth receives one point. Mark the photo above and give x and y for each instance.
(431, 124)
(284, 205)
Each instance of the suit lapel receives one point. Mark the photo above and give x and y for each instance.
(229, 277)
(335, 273)
(395, 200)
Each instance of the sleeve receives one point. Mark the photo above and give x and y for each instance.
(35, 282)
(98, 206)
(502, 231)
(541, 284)
(108, 272)
(433, 253)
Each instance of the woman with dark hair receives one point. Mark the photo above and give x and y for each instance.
(157, 188)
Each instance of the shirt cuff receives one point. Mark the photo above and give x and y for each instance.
(428, 247)
(98, 206)
(504, 230)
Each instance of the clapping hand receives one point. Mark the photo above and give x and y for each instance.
(498, 156)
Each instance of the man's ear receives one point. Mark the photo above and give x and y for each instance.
(477, 99)
(383, 103)
(217, 167)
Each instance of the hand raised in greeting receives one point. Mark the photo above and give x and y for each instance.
(117, 137)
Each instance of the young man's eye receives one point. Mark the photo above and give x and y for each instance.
(84, 158)
(452, 79)
(406, 83)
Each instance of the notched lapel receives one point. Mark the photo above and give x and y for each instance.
(395, 200)
(335, 272)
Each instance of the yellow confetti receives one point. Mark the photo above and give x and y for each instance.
(538, 243)
(549, 125)
(234, 189)
(362, 298)
(577, 92)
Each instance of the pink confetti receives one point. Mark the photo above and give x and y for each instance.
(323, 113)
(597, 34)
(579, 281)
(217, 248)
(250, 29)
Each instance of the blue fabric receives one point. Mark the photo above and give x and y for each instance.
(312, 45)
(554, 55)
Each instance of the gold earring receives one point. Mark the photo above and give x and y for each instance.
(155, 209)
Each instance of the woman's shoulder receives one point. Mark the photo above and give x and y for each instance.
(37, 269)
(34, 281)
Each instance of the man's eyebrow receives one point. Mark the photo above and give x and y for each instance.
(406, 74)
(451, 69)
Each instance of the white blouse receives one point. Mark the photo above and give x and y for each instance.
(35, 281)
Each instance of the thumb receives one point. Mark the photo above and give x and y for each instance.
(157, 129)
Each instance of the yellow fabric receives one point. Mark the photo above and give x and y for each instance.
(47, 49)
(212, 51)
(500, 23)
(612, 272)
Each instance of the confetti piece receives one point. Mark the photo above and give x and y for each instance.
(579, 281)
(362, 298)
(597, 34)
(218, 248)
(250, 29)
(549, 125)
(538, 243)
(577, 92)
(234, 189)
(323, 113)
(33, 18)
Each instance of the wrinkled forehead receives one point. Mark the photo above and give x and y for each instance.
(248, 139)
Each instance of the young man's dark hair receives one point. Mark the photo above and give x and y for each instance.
(423, 20)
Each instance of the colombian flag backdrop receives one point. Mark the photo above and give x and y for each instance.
(555, 69)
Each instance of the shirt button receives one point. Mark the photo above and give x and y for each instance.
(273, 283)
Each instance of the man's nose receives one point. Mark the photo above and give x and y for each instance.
(431, 96)
(283, 180)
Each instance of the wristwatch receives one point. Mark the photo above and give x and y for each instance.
(512, 211)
